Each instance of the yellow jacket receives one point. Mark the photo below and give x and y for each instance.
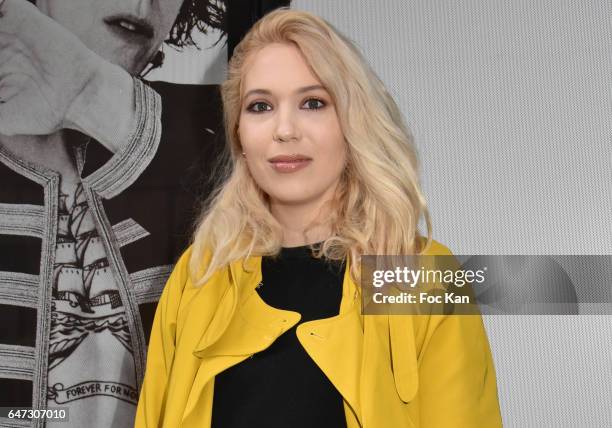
(392, 371)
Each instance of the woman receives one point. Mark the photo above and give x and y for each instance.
(260, 323)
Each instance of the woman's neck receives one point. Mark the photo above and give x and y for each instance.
(49, 151)
(302, 224)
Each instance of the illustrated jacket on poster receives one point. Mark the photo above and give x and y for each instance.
(81, 274)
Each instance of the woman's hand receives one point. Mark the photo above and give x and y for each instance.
(49, 80)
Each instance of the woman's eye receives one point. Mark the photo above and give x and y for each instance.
(314, 104)
(258, 107)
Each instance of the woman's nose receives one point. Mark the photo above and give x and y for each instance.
(287, 128)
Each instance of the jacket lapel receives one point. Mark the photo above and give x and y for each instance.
(242, 325)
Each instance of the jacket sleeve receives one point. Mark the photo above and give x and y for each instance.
(456, 375)
(160, 355)
(457, 384)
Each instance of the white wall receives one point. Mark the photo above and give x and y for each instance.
(511, 106)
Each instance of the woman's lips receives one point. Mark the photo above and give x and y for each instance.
(130, 28)
(288, 164)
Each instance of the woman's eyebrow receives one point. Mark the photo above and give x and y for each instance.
(298, 91)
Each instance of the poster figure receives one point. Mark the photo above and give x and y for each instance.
(101, 173)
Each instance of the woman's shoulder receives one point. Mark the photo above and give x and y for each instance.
(434, 248)
(182, 289)
(180, 276)
(185, 264)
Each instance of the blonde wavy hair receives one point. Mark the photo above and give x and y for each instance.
(379, 201)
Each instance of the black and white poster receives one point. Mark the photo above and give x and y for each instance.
(110, 134)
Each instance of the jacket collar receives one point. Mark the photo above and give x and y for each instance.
(243, 323)
(242, 306)
(240, 312)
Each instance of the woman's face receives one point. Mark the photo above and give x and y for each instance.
(126, 33)
(289, 129)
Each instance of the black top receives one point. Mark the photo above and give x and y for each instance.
(282, 386)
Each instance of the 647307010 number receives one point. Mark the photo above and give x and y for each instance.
(59, 414)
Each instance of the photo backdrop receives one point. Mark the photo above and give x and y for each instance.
(509, 102)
